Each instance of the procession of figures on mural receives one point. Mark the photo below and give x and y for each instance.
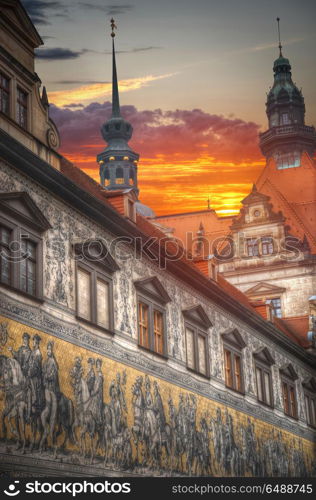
(166, 436)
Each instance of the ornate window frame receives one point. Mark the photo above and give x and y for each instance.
(92, 257)
(309, 388)
(288, 378)
(233, 346)
(197, 323)
(152, 296)
(26, 223)
(263, 362)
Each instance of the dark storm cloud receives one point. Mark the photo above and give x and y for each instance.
(110, 10)
(39, 11)
(59, 54)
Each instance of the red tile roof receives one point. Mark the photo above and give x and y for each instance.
(295, 328)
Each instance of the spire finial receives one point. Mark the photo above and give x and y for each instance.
(115, 93)
(280, 46)
(113, 27)
(208, 203)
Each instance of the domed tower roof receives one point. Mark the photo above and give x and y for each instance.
(287, 136)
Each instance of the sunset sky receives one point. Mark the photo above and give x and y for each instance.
(193, 82)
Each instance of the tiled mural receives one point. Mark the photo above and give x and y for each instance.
(63, 403)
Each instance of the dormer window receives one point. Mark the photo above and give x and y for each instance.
(233, 345)
(21, 109)
(197, 324)
(21, 254)
(276, 307)
(151, 315)
(4, 94)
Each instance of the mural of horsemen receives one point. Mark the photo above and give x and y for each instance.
(72, 406)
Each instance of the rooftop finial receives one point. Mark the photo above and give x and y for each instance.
(113, 27)
(208, 203)
(280, 46)
(115, 93)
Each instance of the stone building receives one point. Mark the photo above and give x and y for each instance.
(268, 250)
(118, 354)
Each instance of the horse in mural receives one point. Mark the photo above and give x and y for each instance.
(84, 420)
(138, 404)
(202, 454)
(179, 434)
(14, 387)
(57, 418)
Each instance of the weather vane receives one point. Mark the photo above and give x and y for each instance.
(280, 46)
(113, 27)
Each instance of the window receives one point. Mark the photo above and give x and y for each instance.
(21, 226)
(288, 160)
(309, 387)
(276, 308)
(263, 361)
(5, 236)
(288, 377)
(310, 408)
(267, 245)
(94, 270)
(4, 94)
(285, 119)
(151, 302)
(197, 324)
(143, 324)
(252, 247)
(233, 345)
(22, 108)
(28, 266)
(233, 369)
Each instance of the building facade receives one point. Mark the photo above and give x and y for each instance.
(120, 359)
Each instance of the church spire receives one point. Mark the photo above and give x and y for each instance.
(115, 93)
(280, 45)
(118, 162)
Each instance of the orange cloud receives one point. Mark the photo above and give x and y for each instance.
(186, 156)
(100, 90)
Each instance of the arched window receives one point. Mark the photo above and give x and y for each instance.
(119, 176)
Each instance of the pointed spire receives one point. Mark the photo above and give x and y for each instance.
(254, 188)
(280, 46)
(209, 203)
(45, 101)
(115, 93)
